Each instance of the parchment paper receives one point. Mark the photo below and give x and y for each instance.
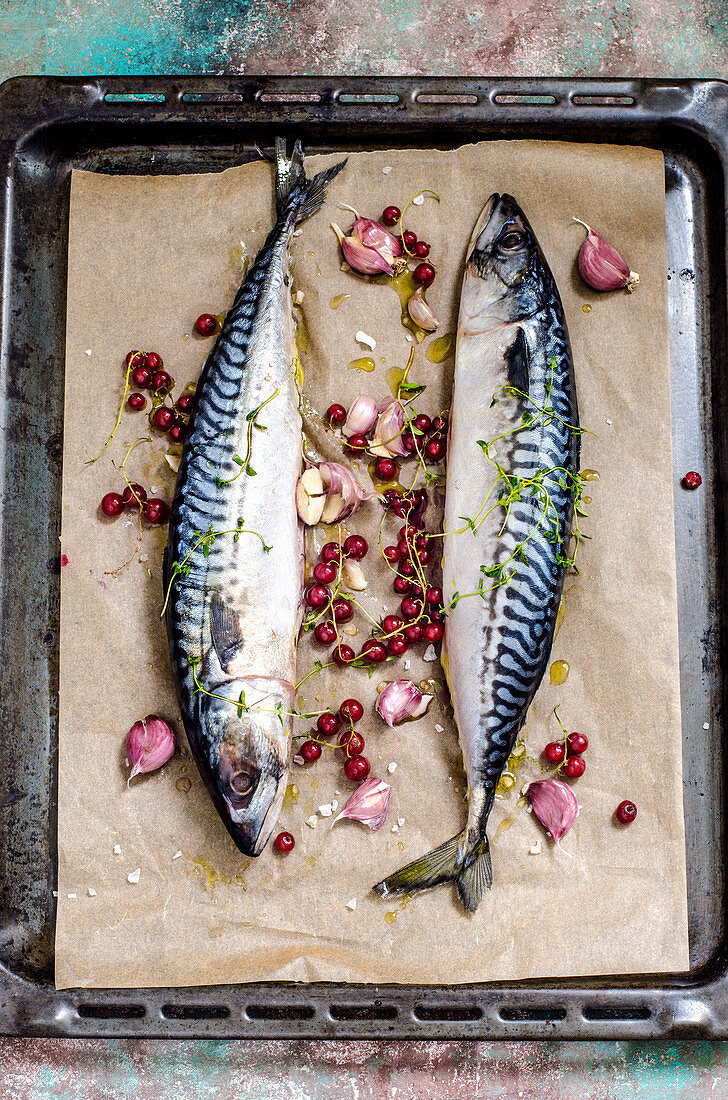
(146, 256)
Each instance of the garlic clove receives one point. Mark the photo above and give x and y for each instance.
(400, 700)
(362, 413)
(601, 266)
(367, 261)
(310, 496)
(149, 745)
(333, 508)
(420, 312)
(368, 804)
(353, 575)
(554, 804)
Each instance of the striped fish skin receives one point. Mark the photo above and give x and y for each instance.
(511, 334)
(233, 616)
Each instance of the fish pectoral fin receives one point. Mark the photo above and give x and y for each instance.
(517, 357)
(227, 633)
(469, 868)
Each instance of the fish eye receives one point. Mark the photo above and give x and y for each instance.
(512, 241)
(241, 783)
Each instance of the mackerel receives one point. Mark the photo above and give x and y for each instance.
(514, 416)
(233, 566)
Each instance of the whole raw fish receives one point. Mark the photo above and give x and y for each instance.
(233, 597)
(514, 416)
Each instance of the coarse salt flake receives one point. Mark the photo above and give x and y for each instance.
(326, 810)
(364, 338)
(55, 893)
(72, 897)
(134, 876)
(351, 904)
(429, 654)
(706, 725)
(91, 892)
(391, 768)
(387, 169)
(535, 849)
(298, 760)
(312, 821)
(177, 855)
(401, 821)
(608, 421)
(88, 351)
(407, 665)
(117, 849)
(395, 828)
(439, 728)
(298, 297)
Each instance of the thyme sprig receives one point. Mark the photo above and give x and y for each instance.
(244, 463)
(206, 541)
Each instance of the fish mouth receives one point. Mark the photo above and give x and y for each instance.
(251, 825)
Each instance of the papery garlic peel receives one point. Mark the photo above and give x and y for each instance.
(554, 804)
(368, 804)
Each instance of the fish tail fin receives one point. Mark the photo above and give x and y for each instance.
(293, 186)
(458, 860)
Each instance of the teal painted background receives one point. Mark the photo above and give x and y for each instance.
(521, 38)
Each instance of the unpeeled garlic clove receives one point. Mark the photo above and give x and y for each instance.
(420, 312)
(368, 804)
(310, 496)
(601, 266)
(361, 415)
(353, 575)
(149, 744)
(554, 804)
(400, 700)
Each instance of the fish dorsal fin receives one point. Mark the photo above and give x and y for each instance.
(227, 634)
(517, 357)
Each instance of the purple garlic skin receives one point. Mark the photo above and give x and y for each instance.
(601, 266)
(400, 700)
(150, 743)
(554, 804)
(368, 804)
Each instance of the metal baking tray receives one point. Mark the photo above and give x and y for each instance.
(50, 125)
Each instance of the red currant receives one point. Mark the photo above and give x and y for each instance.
(391, 553)
(141, 377)
(135, 402)
(692, 480)
(413, 632)
(626, 812)
(410, 608)
(404, 548)
(408, 441)
(391, 215)
(325, 633)
(576, 744)
(424, 274)
(163, 418)
(162, 381)
(391, 624)
(374, 651)
(432, 632)
(342, 609)
(423, 423)
(402, 586)
(409, 239)
(351, 710)
(325, 572)
(285, 843)
(135, 359)
(330, 551)
(436, 615)
(397, 645)
(355, 547)
(328, 724)
(439, 424)
(343, 655)
(435, 450)
(385, 469)
(177, 433)
(206, 324)
(357, 442)
(422, 250)
(155, 511)
(574, 767)
(357, 768)
(417, 592)
(154, 361)
(352, 743)
(309, 751)
(336, 415)
(112, 504)
(555, 752)
(434, 596)
(185, 401)
(407, 569)
(316, 595)
(133, 496)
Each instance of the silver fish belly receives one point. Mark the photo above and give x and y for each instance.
(514, 416)
(233, 565)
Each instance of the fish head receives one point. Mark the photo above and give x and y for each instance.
(248, 760)
(506, 275)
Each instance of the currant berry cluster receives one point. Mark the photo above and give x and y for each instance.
(147, 373)
(424, 273)
(567, 754)
(134, 498)
(349, 740)
(423, 438)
